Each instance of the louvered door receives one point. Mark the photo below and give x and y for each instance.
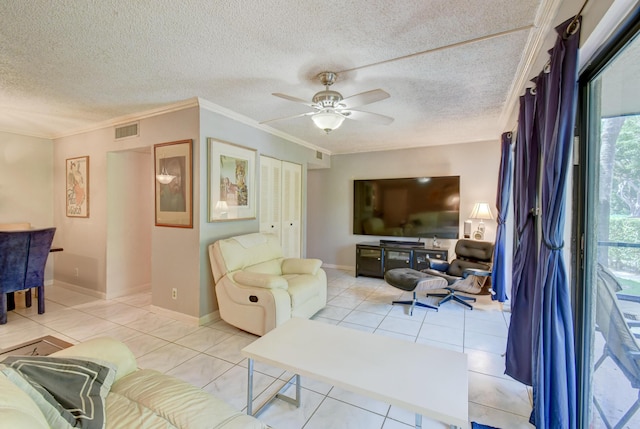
(271, 196)
(291, 209)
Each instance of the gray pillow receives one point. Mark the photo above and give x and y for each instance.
(70, 392)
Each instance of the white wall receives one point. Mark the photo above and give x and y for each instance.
(217, 126)
(130, 214)
(174, 254)
(26, 189)
(330, 191)
(108, 250)
(26, 185)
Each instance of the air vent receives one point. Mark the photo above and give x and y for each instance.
(125, 131)
(318, 154)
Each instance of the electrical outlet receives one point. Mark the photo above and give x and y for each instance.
(77, 272)
(174, 293)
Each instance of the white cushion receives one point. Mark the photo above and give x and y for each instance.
(301, 266)
(237, 256)
(107, 349)
(269, 281)
(273, 266)
(17, 410)
(165, 401)
(302, 287)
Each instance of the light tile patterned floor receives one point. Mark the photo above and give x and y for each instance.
(209, 356)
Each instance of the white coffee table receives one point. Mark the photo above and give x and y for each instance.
(426, 380)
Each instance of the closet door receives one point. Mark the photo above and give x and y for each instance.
(291, 209)
(270, 196)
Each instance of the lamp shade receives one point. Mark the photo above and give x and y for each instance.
(221, 210)
(164, 177)
(481, 211)
(221, 205)
(327, 120)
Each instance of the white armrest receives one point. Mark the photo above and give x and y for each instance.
(267, 281)
(104, 348)
(300, 266)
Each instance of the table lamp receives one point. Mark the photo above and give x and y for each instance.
(480, 211)
(222, 209)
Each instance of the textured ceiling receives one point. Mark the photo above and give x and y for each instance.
(67, 66)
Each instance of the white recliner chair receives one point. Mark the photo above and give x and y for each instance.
(258, 289)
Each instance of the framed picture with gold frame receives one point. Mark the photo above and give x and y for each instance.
(174, 184)
(78, 187)
(232, 181)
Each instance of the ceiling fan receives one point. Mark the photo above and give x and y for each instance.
(331, 109)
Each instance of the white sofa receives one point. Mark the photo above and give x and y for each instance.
(138, 398)
(258, 289)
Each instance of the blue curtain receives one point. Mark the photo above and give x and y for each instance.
(554, 370)
(499, 270)
(518, 362)
(540, 347)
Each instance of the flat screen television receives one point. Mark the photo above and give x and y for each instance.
(407, 207)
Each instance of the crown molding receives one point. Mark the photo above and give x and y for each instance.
(538, 35)
(215, 108)
(121, 120)
(186, 104)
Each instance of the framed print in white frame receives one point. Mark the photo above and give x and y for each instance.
(78, 187)
(232, 181)
(174, 196)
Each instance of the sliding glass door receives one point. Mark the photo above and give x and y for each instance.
(609, 225)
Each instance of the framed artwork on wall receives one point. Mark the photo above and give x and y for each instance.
(232, 182)
(78, 187)
(174, 184)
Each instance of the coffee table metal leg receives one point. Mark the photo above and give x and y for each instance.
(419, 423)
(295, 401)
(250, 387)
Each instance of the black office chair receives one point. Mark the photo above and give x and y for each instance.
(468, 272)
(621, 344)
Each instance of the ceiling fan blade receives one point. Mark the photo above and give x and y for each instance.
(287, 117)
(359, 115)
(295, 99)
(363, 98)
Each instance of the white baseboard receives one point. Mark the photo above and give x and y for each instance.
(340, 267)
(80, 289)
(191, 320)
(130, 291)
(211, 317)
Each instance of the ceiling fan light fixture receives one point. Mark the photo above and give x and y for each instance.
(331, 109)
(327, 120)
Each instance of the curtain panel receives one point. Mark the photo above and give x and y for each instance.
(540, 346)
(499, 269)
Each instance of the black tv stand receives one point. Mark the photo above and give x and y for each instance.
(401, 243)
(373, 258)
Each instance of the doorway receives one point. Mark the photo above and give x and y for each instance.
(130, 219)
(609, 308)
